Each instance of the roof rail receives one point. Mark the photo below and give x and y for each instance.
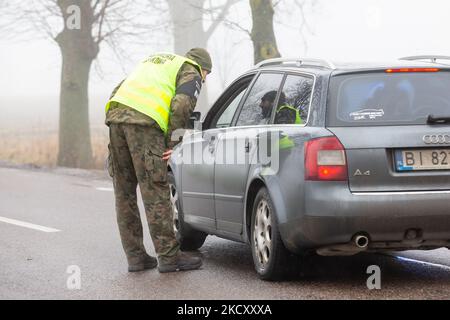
(298, 61)
(429, 57)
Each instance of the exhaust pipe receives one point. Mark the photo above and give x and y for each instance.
(361, 241)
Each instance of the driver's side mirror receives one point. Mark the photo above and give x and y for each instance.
(194, 121)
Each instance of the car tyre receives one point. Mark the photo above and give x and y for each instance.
(188, 238)
(271, 259)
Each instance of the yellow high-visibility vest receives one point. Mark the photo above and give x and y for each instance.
(298, 119)
(151, 86)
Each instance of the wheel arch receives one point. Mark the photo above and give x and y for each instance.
(274, 190)
(175, 171)
(252, 191)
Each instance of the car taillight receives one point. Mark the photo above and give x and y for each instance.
(400, 70)
(325, 160)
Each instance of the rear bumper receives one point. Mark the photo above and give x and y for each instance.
(333, 215)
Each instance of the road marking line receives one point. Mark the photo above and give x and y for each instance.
(423, 262)
(105, 189)
(28, 225)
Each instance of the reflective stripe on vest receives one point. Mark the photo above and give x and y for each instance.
(298, 119)
(286, 143)
(151, 87)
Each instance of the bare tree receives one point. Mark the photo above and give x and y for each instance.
(264, 14)
(263, 35)
(83, 26)
(187, 21)
(188, 31)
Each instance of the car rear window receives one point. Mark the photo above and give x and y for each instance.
(380, 98)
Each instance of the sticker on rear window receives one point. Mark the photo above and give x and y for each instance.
(367, 114)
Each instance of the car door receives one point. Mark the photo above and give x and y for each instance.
(197, 178)
(198, 153)
(234, 151)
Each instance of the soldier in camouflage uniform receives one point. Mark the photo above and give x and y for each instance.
(138, 154)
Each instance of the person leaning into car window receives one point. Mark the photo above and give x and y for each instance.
(286, 114)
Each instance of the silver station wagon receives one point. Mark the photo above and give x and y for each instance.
(304, 155)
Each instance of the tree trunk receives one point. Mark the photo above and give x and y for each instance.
(75, 148)
(78, 51)
(187, 21)
(188, 33)
(262, 35)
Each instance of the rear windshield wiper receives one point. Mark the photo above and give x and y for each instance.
(437, 120)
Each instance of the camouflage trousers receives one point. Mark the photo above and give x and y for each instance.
(136, 159)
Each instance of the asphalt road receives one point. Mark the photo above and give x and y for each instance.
(80, 206)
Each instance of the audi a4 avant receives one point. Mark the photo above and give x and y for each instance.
(357, 158)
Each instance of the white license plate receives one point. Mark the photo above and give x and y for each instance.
(422, 159)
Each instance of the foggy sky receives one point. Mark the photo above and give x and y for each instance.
(343, 30)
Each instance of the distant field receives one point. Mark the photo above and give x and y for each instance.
(29, 130)
(39, 146)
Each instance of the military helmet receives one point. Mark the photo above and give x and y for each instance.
(202, 57)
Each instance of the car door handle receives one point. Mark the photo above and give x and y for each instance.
(248, 146)
(211, 146)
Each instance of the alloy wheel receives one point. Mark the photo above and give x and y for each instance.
(262, 233)
(173, 201)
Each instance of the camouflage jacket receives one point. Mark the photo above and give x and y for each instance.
(182, 105)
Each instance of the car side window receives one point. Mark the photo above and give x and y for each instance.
(257, 109)
(226, 117)
(294, 100)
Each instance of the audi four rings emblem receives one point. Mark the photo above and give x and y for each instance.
(436, 138)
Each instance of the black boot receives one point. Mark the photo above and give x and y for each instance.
(180, 262)
(148, 262)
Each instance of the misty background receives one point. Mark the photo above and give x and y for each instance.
(344, 30)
